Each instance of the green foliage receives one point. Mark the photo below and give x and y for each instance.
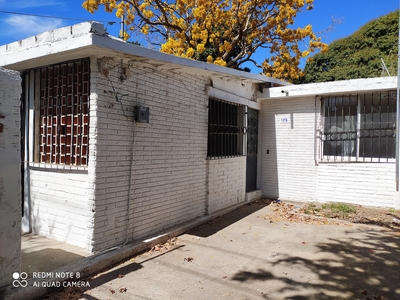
(341, 208)
(330, 210)
(359, 55)
(311, 209)
(134, 43)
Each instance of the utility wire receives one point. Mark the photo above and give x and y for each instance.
(54, 17)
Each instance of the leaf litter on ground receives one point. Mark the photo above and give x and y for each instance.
(332, 213)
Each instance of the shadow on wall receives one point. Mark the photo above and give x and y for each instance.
(46, 224)
(289, 146)
(269, 156)
(366, 268)
(44, 254)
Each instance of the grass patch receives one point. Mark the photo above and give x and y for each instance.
(311, 209)
(330, 210)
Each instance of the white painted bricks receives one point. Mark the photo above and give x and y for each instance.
(226, 183)
(290, 172)
(10, 177)
(168, 179)
(53, 36)
(59, 205)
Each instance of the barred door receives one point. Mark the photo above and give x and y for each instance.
(252, 145)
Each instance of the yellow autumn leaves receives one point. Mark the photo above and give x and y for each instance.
(223, 32)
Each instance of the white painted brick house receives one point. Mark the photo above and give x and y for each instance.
(98, 177)
(121, 142)
(331, 141)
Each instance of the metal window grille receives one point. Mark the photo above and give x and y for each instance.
(225, 129)
(61, 93)
(359, 127)
(340, 128)
(378, 125)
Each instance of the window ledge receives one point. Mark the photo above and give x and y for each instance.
(336, 160)
(57, 167)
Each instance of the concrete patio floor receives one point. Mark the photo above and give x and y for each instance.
(243, 255)
(40, 254)
(240, 255)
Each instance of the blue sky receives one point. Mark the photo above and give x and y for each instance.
(352, 13)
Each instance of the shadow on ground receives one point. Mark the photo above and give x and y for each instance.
(119, 271)
(367, 267)
(46, 259)
(242, 255)
(213, 226)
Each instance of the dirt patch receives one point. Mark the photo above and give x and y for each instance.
(334, 213)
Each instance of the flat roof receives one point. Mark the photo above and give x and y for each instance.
(351, 86)
(90, 39)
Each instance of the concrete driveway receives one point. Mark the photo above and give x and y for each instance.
(242, 255)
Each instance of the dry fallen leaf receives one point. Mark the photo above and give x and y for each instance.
(112, 291)
(164, 247)
(188, 259)
(122, 290)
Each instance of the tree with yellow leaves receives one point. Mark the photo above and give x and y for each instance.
(223, 32)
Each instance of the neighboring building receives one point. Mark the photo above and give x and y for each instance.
(121, 142)
(333, 141)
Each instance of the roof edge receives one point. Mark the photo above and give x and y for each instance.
(13, 54)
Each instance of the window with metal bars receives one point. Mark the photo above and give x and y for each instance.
(61, 100)
(359, 127)
(225, 129)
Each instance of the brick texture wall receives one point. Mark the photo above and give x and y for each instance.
(289, 170)
(10, 175)
(59, 205)
(226, 182)
(371, 184)
(167, 184)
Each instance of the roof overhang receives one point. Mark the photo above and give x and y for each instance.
(90, 39)
(352, 86)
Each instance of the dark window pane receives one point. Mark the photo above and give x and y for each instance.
(374, 125)
(225, 132)
(340, 130)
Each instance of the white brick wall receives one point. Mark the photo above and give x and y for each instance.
(371, 184)
(169, 157)
(141, 177)
(226, 182)
(289, 171)
(10, 176)
(59, 205)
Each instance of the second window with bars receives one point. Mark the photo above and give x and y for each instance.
(359, 127)
(225, 129)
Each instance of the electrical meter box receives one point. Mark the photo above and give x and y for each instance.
(142, 114)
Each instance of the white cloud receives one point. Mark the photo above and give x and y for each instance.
(29, 25)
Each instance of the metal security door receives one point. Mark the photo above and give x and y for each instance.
(252, 146)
